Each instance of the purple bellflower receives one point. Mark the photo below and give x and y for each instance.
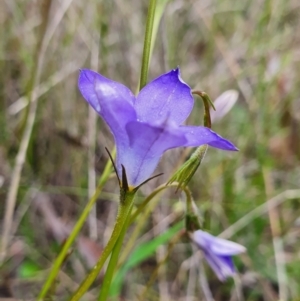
(147, 125)
(218, 252)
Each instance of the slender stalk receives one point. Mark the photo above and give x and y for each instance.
(203, 281)
(61, 256)
(147, 43)
(29, 123)
(92, 131)
(278, 246)
(142, 219)
(113, 262)
(116, 250)
(123, 213)
(142, 206)
(191, 285)
(207, 104)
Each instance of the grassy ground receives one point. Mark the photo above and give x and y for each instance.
(253, 195)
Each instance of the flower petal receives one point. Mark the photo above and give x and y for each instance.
(216, 245)
(199, 135)
(147, 144)
(225, 247)
(217, 253)
(166, 97)
(221, 265)
(202, 239)
(86, 83)
(112, 101)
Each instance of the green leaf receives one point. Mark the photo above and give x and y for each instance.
(28, 269)
(160, 8)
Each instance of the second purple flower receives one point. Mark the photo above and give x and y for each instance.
(218, 253)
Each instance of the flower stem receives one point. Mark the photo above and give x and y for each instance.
(207, 104)
(145, 210)
(123, 214)
(113, 261)
(143, 205)
(147, 43)
(61, 256)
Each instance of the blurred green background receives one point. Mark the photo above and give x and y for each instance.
(250, 46)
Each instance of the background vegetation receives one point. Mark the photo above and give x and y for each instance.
(250, 46)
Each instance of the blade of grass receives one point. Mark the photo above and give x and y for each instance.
(80, 222)
(29, 122)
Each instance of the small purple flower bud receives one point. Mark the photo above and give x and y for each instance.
(218, 253)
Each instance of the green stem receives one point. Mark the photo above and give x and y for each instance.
(113, 261)
(123, 213)
(142, 206)
(147, 43)
(207, 104)
(143, 219)
(61, 256)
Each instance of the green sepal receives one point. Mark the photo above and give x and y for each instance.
(192, 222)
(146, 181)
